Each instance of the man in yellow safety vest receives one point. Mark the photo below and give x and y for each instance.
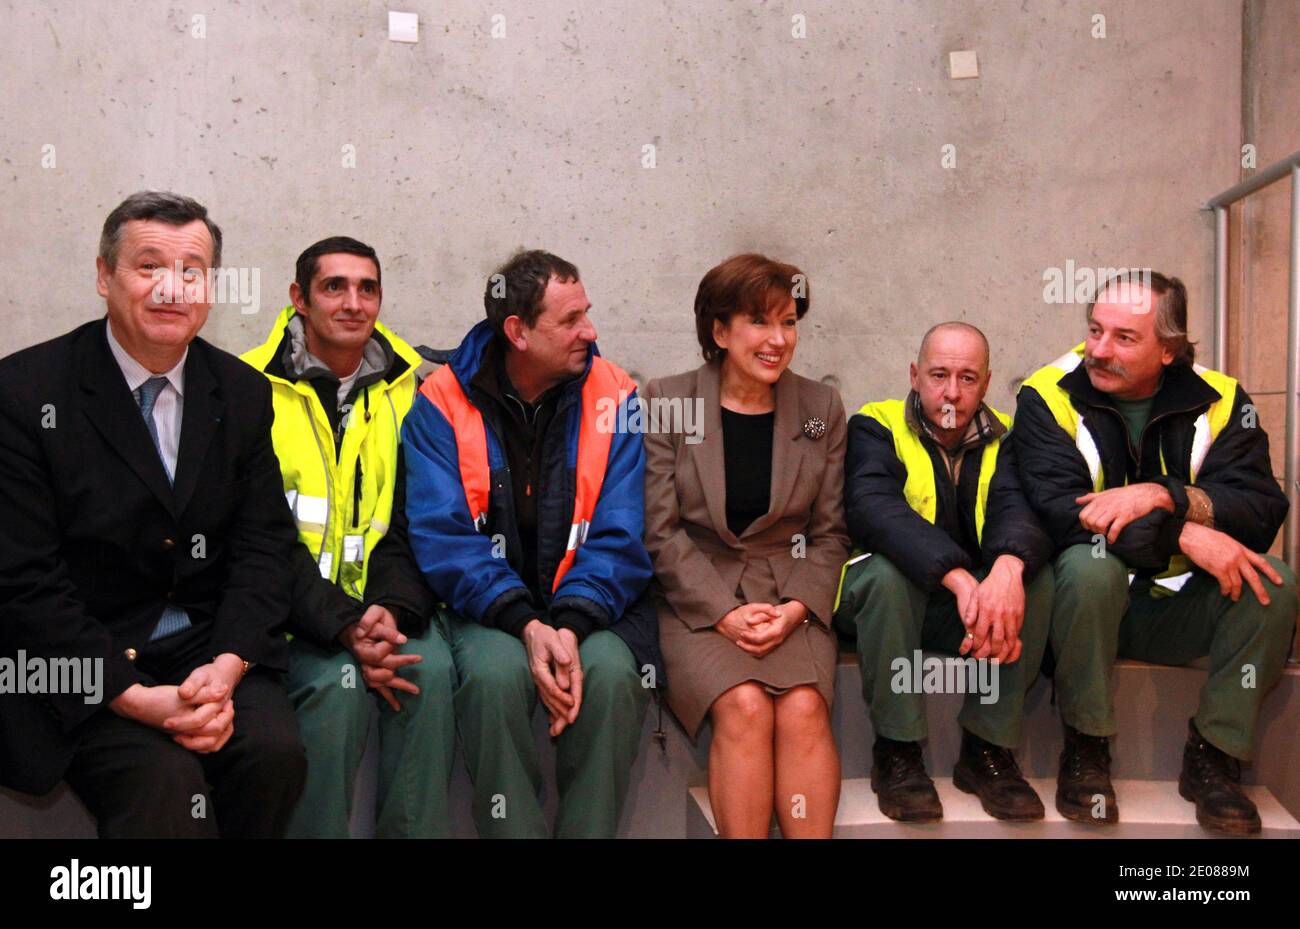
(954, 561)
(1152, 475)
(342, 384)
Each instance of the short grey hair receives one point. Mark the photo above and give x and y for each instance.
(161, 205)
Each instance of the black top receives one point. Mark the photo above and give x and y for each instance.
(747, 449)
(880, 519)
(523, 427)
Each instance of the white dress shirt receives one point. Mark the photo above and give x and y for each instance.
(167, 409)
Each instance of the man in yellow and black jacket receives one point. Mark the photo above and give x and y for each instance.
(342, 384)
(954, 561)
(1152, 475)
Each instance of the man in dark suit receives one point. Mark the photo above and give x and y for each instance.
(146, 536)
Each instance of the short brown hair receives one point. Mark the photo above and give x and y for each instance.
(518, 286)
(748, 283)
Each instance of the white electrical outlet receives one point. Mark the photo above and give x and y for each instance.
(963, 64)
(403, 27)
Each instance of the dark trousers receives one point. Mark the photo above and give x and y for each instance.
(138, 783)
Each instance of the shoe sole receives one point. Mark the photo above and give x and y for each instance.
(897, 814)
(960, 781)
(1232, 827)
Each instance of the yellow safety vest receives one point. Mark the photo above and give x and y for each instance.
(920, 489)
(1046, 382)
(342, 503)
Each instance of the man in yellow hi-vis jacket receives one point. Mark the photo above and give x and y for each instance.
(1152, 475)
(341, 386)
(958, 564)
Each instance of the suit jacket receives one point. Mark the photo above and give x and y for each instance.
(698, 561)
(96, 541)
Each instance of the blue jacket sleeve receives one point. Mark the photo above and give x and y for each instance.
(454, 557)
(612, 567)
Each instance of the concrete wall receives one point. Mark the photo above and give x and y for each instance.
(824, 150)
(1271, 123)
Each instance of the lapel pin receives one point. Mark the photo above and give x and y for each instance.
(814, 428)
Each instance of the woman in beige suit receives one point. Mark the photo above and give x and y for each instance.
(745, 525)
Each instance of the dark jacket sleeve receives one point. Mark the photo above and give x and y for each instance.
(321, 610)
(393, 579)
(1010, 525)
(255, 603)
(879, 519)
(40, 609)
(1053, 475)
(1237, 475)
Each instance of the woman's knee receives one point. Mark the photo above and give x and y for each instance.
(802, 711)
(743, 711)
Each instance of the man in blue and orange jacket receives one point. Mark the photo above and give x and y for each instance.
(524, 493)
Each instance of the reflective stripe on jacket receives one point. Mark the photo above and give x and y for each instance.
(1046, 382)
(342, 501)
(920, 488)
(591, 556)
(605, 384)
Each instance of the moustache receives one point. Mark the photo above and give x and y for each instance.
(1109, 368)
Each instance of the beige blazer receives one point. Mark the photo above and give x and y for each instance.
(794, 552)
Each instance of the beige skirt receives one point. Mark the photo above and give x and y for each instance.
(702, 666)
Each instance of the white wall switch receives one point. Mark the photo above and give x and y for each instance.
(961, 64)
(405, 27)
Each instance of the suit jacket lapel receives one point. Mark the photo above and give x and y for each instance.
(787, 451)
(114, 413)
(202, 412)
(708, 454)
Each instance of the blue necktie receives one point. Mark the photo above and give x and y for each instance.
(173, 619)
(147, 395)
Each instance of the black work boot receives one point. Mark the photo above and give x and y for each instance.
(990, 772)
(903, 789)
(1212, 780)
(1083, 790)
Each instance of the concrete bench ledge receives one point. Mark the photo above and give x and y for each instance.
(1153, 703)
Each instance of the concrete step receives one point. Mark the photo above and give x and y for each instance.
(1148, 810)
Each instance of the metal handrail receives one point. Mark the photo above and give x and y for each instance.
(1220, 204)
